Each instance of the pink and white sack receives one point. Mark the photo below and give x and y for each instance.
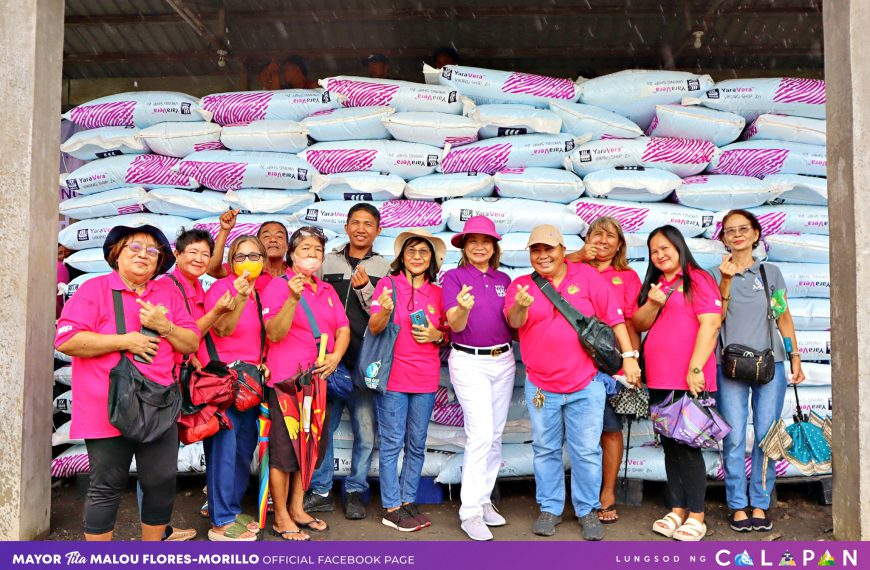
(492, 155)
(267, 135)
(138, 109)
(643, 218)
(798, 189)
(436, 129)
(92, 232)
(782, 219)
(181, 139)
(128, 200)
(396, 215)
(400, 95)
(260, 201)
(146, 170)
(789, 129)
(683, 157)
(358, 186)
(408, 160)
(487, 86)
(763, 157)
(750, 98)
(286, 104)
(677, 121)
(634, 93)
(104, 142)
(236, 169)
(724, 192)
(186, 203)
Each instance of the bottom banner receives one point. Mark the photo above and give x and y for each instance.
(433, 555)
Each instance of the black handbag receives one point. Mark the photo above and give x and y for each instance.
(141, 409)
(596, 338)
(744, 363)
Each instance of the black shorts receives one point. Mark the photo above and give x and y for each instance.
(281, 453)
(612, 422)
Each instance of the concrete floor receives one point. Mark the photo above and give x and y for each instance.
(798, 516)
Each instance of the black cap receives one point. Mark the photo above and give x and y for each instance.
(120, 232)
(376, 58)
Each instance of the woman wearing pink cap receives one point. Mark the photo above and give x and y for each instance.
(481, 365)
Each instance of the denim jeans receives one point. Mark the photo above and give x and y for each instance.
(579, 416)
(732, 400)
(362, 418)
(228, 457)
(403, 421)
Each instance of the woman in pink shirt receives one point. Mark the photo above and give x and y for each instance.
(291, 348)
(606, 250)
(404, 410)
(681, 309)
(86, 331)
(239, 336)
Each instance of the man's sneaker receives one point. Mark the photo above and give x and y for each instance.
(491, 516)
(316, 503)
(476, 529)
(354, 509)
(546, 524)
(414, 511)
(592, 527)
(401, 520)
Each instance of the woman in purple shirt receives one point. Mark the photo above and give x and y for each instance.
(481, 365)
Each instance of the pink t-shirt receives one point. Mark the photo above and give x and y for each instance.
(669, 344)
(627, 285)
(244, 344)
(416, 367)
(554, 359)
(298, 348)
(194, 294)
(91, 309)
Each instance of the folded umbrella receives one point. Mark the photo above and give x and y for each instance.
(809, 451)
(264, 423)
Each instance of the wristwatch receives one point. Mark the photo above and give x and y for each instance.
(631, 354)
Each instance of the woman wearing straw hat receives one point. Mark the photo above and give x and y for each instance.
(482, 366)
(404, 410)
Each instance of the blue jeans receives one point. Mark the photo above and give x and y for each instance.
(403, 421)
(732, 400)
(228, 457)
(362, 418)
(580, 416)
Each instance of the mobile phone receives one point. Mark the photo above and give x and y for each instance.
(419, 318)
(147, 332)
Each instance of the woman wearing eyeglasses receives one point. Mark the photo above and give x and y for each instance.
(292, 348)
(238, 336)
(159, 328)
(404, 410)
(746, 321)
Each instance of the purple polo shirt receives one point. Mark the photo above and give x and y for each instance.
(486, 323)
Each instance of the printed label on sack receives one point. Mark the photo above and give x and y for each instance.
(311, 215)
(82, 235)
(72, 185)
(693, 85)
(511, 131)
(359, 197)
(706, 221)
(631, 168)
(569, 145)
(107, 153)
(302, 174)
(325, 98)
(712, 94)
(432, 160)
(464, 214)
(585, 156)
(446, 73)
(185, 108)
(451, 97)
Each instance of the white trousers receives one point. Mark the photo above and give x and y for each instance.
(483, 386)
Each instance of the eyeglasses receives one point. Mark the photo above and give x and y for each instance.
(741, 230)
(422, 252)
(137, 247)
(241, 257)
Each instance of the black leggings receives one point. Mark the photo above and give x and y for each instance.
(110, 458)
(684, 466)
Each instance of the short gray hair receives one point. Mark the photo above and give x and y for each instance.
(302, 233)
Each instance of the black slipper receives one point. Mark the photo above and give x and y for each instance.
(610, 509)
(310, 525)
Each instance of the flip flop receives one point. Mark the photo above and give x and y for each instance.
(232, 533)
(283, 534)
(203, 510)
(249, 522)
(310, 525)
(607, 510)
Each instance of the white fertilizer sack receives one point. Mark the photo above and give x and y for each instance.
(408, 160)
(782, 219)
(103, 142)
(92, 233)
(718, 127)
(806, 279)
(436, 129)
(683, 157)
(268, 135)
(631, 183)
(486, 86)
(521, 151)
(445, 186)
(644, 218)
(535, 183)
(186, 203)
(138, 109)
(512, 214)
(128, 200)
(400, 95)
(797, 189)
(800, 248)
(259, 201)
(760, 158)
(515, 251)
(353, 123)
(235, 169)
(358, 186)
(90, 261)
(501, 120)
(581, 120)
(750, 98)
(810, 314)
(396, 215)
(789, 129)
(181, 139)
(724, 192)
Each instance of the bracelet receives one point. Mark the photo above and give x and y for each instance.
(726, 299)
(171, 330)
(796, 355)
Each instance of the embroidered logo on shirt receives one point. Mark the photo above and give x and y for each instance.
(62, 330)
(758, 285)
(718, 303)
(616, 281)
(619, 312)
(431, 309)
(680, 288)
(500, 290)
(329, 300)
(266, 311)
(573, 289)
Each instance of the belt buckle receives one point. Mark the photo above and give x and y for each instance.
(497, 351)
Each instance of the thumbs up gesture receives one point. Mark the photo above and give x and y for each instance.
(523, 298)
(465, 298)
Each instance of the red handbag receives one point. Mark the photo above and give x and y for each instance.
(201, 424)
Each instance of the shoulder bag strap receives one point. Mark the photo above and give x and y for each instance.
(262, 327)
(559, 302)
(395, 303)
(312, 321)
(209, 341)
(769, 311)
(120, 325)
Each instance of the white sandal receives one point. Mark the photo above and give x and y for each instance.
(692, 530)
(667, 525)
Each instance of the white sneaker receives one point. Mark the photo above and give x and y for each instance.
(492, 517)
(476, 529)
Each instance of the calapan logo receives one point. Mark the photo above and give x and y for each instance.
(802, 558)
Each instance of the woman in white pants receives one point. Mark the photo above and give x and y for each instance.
(481, 365)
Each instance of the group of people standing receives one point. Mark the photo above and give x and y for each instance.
(274, 288)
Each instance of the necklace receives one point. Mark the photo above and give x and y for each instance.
(133, 286)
